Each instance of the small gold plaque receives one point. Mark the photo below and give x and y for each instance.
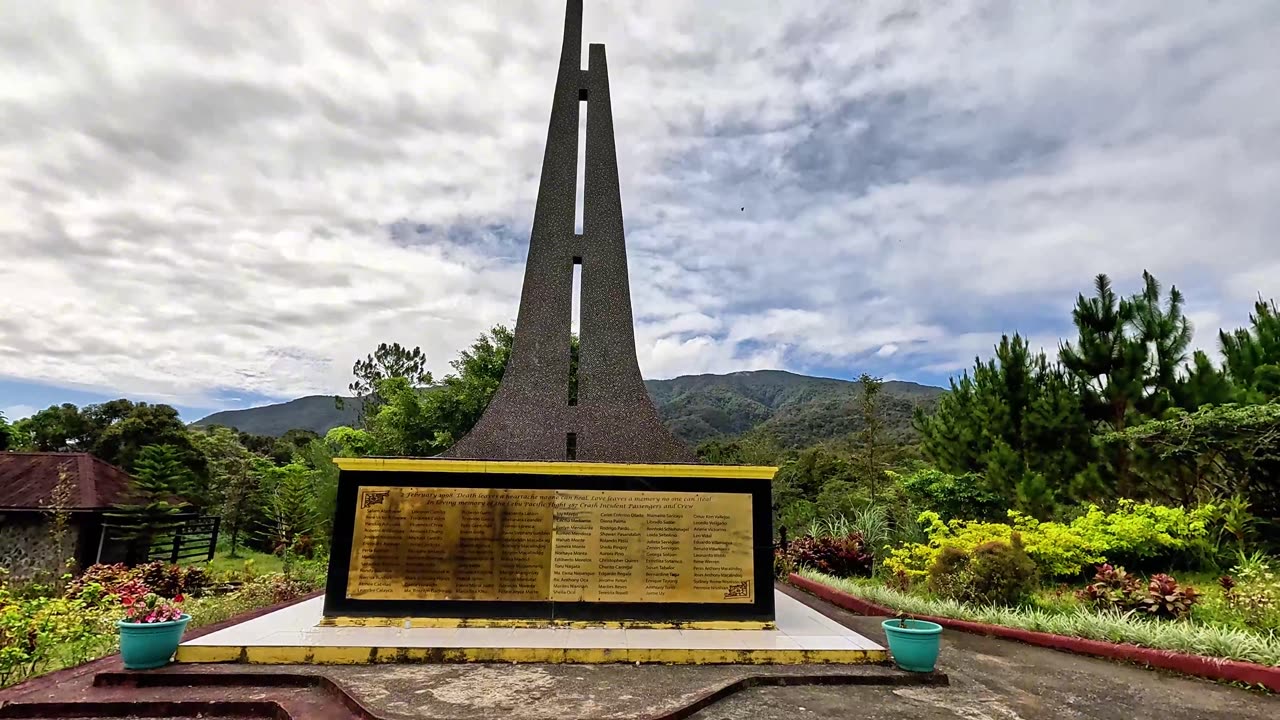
(561, 545)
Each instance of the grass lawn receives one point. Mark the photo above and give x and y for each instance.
(258, 563)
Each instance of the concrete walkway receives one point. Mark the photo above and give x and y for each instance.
(990, 679)
(995, 679)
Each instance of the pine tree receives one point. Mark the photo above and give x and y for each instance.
(1204, 384)
(1125, 360)
(161, 480)
(1252, 355)
(1166, 333)
(1109, 365)
(1017, 423)
(287, 500)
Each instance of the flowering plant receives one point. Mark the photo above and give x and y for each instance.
(150, 607)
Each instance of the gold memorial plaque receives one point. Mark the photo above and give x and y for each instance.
(561, 545)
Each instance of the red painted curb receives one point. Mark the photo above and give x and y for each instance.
(1197, 665)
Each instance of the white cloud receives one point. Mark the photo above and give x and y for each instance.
(195, 200)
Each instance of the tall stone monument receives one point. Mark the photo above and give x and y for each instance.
(560, 506)
(532, 416)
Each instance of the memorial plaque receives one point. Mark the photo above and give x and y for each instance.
(439, 543)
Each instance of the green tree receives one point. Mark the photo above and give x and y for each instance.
(345, 441)
(385, 362)
(232, 480)
(870, 435)
(953, 496)
(407, 422)
(58, 428)
(288, 447)
(133, 426)
(807, 476)
(8, 438)
(1126, 358)
(754, 448)
(1166, 333)
(1016, 422)
(161, 479)
(1251, 355)
(1221, 450)
(288, 505)
(1203, 384)
(465, 393)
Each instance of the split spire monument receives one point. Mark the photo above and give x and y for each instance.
(534, 414)
(569, 500)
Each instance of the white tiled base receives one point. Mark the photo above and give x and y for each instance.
(802, 633)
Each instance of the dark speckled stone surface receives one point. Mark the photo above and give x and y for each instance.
(530, 417)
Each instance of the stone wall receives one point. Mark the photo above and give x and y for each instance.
(27, 547)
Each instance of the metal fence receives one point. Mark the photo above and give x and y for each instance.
(189, 538)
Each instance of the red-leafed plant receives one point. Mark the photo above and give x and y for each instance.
(843, 556)
(1167, 599)
(151, 608)
(1112, 589)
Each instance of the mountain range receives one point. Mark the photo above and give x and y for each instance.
(798, 410)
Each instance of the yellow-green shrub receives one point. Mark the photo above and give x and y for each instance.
(1138, 531)
(37, 633)
(995, 573)
(1133, 530)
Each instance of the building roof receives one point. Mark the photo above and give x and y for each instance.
(28, 479)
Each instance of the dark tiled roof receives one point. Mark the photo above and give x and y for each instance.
(27, 480)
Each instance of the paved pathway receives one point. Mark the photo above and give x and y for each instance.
(990, 679)
(994, 679)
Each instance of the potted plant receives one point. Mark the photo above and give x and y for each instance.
(151, 629)
(913, 643)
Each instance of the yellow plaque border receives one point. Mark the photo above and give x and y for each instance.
(538, 623)
(366, 655)
(388, 464)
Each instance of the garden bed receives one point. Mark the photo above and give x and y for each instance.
(53, 678)
(1226, 668)
(47, 628)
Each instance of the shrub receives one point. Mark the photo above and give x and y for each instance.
(844, 556)
(781, 565)
(953, 496)
(994, 573)
(1112, 589)
(1054, 548)
(161, 577)
(37, 633)
(108, 577)
(169, 580)
(1002, 573)
(194, 579)
(1253, 593)
(1167, 599)
(948, 576)
(1141, 531)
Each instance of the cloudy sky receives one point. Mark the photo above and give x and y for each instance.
(219, 204)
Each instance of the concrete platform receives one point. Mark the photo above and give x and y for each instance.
(295, 635)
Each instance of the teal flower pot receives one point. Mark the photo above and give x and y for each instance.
(914, 647)
(144, 646)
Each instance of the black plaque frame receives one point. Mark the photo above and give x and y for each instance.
(349, 482)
